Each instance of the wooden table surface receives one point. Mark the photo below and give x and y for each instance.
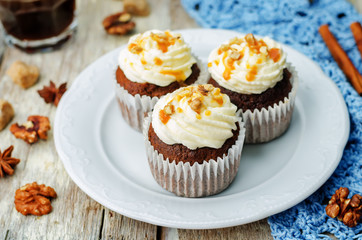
(75, 215)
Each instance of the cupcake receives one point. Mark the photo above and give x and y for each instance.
(259, 81)
(151, 65)
(194, 139)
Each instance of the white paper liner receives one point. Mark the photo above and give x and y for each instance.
(134, 108)
(198, 180)
(267, 124)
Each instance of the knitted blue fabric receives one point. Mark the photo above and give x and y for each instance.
(296, 23)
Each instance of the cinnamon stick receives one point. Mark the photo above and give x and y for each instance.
(356, 29)
(341, 58)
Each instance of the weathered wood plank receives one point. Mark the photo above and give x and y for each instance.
(116, 226)
(251, 231)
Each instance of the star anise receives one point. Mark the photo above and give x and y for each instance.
(52, 94)
(7, 163)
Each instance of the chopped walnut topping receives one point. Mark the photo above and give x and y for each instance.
(217, 91)
(166, 112)
(36, 127)
(203, 90)
(161, 37)
(34, 199)
(164, 40)
(346, 210)
(196, 104)
(250, 39)
(264, 50)
(356, 201)
(136, 49)
(224, 47)
(236, 41)
(169, 109)
(208, 87)
(235, 55)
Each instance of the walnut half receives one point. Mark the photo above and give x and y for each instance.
(34, 199)
(119, 23)
(36, 127)
(346, 210)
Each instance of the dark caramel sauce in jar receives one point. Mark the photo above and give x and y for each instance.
(36, 19)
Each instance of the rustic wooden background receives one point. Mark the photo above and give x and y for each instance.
(75, 215)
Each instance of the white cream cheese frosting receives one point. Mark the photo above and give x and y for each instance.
(247, 65)
(157, 57)
(195, 116)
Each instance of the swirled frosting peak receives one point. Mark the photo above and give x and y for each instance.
(157, 57)
(195, 116)
(247, 65)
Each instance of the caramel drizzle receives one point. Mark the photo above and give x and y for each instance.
(143, 60)
(179, 75)
(199, 93)
(255, 48)
(135, 48)
(164, 117)
(158, 61)
(229, 66)
(164, 41)
(250, 76)
(274, 54)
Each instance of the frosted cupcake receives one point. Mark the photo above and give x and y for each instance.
(153, 64)
(194, 139)
(259, 81)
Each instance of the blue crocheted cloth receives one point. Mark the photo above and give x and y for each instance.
(296, 23)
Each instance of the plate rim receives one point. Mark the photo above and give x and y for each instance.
(207, 224)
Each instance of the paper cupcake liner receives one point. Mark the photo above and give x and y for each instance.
(267, 124)
(134, 108)
(198, 180)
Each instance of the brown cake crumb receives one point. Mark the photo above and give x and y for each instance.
(258, 101)
(181, 153)
(153, 90)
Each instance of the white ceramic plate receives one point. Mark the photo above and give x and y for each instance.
(107, 160)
